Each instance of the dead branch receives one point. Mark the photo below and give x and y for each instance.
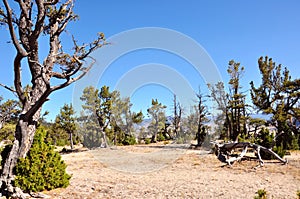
(224, 152)
(8, 88)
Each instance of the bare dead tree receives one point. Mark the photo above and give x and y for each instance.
(177, 116)
(48, 18)
(202, 117)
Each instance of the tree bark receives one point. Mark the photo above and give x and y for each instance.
(104, 144)
(32, 99)
(25, 27)
(71, 140)
(24, 134)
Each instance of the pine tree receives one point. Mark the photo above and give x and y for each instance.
(65, 121)
(42, 169)
(123, 119)
(97, 107)
(279, 96)
(220, 97)
(156, 111)
(236, 104)
(231, 104)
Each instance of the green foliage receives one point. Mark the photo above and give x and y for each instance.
(62, 142)
(56, 135)
(157, 114)
(64, 127)
(225, 105)
(244, 138)
(160, 137)
(185, 138)
(147, 140)
(7, 131)
(266, 139)
(122, 119)
(278, 95)
(42, 169)
(129, 140)
(279, 150)
(298, 194)
(96, 115)
(236, 109)
(295, 143)
(9, 110)
(261, 194)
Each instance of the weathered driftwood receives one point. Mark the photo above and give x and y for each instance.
(224, 152)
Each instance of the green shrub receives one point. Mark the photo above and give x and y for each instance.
(160, 137)
(279, 150)
(129, 140)
(261, 194)
(42, 169)
(298, 194)
(7, 132)
(62, 142)
(147, 141)
(266, 139)
(294, 144)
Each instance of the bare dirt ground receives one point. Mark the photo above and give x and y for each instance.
(157, 171)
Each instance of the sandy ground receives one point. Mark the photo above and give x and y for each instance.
(154, 171)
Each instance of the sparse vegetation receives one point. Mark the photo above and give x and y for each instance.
(129, 140)
(42, 169)
(42, 61)
(261, 194)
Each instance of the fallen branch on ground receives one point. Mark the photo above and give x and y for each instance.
(224, 152)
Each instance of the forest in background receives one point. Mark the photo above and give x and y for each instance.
(107, 119)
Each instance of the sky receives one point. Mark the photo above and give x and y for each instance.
(158, 48)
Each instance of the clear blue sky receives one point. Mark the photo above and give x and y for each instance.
(239, 30)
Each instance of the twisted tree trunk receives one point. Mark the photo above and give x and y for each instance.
(25, 27)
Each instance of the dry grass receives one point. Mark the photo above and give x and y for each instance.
(190, 175)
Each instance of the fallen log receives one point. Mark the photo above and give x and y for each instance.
(224, 152)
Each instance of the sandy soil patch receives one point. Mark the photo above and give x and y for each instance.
(154, 171)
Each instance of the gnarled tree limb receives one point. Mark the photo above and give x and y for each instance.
(223, 151)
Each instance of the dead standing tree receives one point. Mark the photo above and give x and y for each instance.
(202, 114)
(34, 19)
(177, 116)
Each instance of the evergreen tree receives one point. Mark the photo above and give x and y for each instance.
(9, 111)
(97, 107)
(65, 122)
(279, 96)
(89, 130)
(156, 111)
(231, 104)
(236, 103)
(221, 98)
(7, 131)
(42, 169)
(123, 119)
